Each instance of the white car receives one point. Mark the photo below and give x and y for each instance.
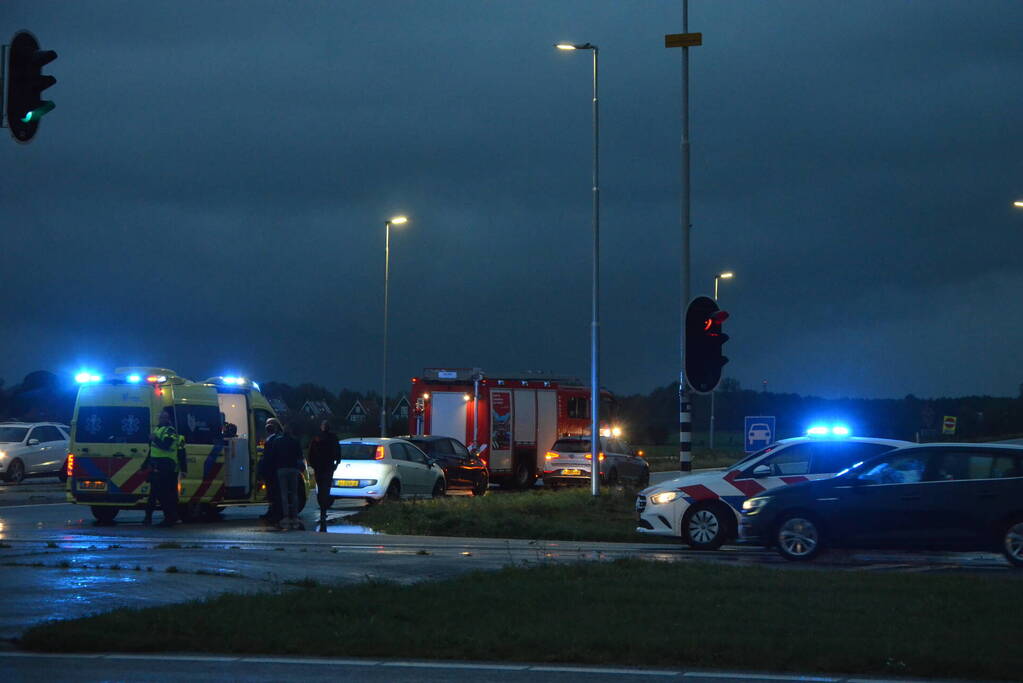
(704, 508)
(32, 448)
(376, 468)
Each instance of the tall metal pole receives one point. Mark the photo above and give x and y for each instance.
(713, 391)
(595, 325)
(383, 379)
(685, 421)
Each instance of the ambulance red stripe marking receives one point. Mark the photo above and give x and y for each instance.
(117, 464)
(201, 491)
(135, 480)
(747, 486)
(698, 492)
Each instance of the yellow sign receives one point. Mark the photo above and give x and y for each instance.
(683, 39)
(948, 425)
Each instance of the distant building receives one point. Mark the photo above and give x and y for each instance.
(279, 406)
(357, 414)
(316, 409)
(401, 409)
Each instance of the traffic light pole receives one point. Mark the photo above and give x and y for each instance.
(685, 421)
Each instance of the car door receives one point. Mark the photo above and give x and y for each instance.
(53, 448)
(420, 469)
(34, 452)
(781, 467)
(972, 494)
(887, 504)
(444, 453)
(405, 472)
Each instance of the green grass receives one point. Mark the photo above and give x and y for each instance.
(628, 612)
(665, 458)
(568, 515)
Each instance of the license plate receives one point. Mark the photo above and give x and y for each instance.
(92, 485)
(571, 471)
(347, 483)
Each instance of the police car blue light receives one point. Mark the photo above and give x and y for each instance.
(817, 430)
(85, 377)
(840, 430)
(134, 379)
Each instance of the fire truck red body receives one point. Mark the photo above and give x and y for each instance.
(511, 420)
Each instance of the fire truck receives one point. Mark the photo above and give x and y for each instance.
(510, 420)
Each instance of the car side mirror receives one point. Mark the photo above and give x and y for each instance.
(761, 471)
(430, 462)
(33, 442)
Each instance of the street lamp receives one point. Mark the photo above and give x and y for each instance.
(397, 220)
(595, 322)
(727, 275)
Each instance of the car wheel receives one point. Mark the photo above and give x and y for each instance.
(480, 488)
(1012, 542)
(798, 537)
(15, 472)
(704, 527)
(394, 490)
(104, 514)
(440, 488)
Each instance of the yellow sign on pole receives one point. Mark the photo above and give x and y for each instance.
(683, 39)
(948, 425)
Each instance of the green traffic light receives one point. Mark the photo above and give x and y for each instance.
(38, 113)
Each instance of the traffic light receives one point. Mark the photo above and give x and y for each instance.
(704, 339)
(25, 85)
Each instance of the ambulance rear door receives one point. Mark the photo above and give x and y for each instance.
(234, 409)
(197, 416)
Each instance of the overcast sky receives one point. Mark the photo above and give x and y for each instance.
(210, 193)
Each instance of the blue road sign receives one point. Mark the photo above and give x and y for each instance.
(758, 432)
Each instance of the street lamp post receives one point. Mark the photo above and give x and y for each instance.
(397, 220)
(728, 275)
(595, 320)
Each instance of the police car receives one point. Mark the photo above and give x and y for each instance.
(703, 508)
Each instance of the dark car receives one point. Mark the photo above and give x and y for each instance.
(462, 469)
(947, 496)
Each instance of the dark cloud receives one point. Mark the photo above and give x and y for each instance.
(211, 190)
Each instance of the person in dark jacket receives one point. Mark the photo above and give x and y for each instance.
(268, 472)
(324, 454)
(290, 464)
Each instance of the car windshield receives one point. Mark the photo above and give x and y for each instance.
(751, 457)
(572, 446)
(12, 434)
(358, 451)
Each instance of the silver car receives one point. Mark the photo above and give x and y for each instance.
(32, 449)
(569, 462)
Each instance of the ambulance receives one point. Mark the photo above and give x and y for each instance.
(510, 421)
(115, 415)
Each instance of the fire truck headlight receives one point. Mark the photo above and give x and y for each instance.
(664, 497)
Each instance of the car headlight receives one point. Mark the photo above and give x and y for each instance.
(664, 497)
(752, 506)
(3, 455)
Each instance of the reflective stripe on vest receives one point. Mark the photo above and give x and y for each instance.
(162, 434)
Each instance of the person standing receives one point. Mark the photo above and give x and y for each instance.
(324, 455)
(290, 464)
(268, 471)
(166, 454)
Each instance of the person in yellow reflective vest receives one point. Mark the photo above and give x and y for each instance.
(166, 454)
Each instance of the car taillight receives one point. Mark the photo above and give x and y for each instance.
(600, 456)
(70, 465)
(379, 453)
(551, 455)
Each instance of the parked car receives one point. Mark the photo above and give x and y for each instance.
(462, 469)
(377, 468)
(32, 449)
(703, 508)
(569, 462)
(948, 496)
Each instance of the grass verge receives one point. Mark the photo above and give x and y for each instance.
(656, 614)
(567, 515)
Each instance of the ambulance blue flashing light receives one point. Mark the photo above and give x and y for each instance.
(237, 381)
(134, 379)
(85, 377)
(824, 430)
